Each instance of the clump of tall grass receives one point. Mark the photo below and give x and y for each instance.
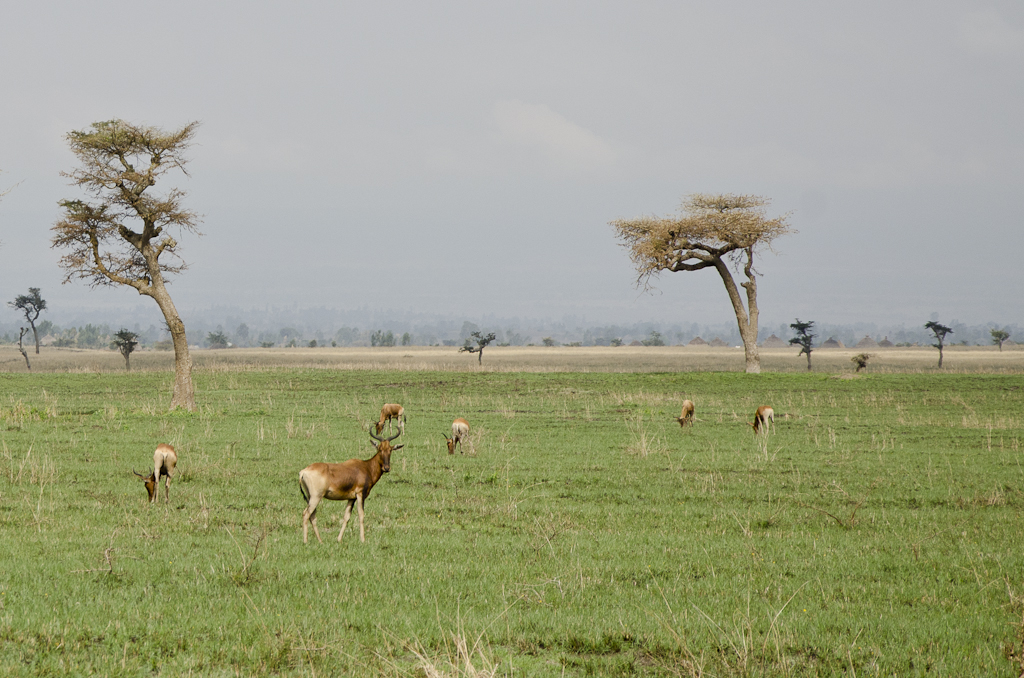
(643, 441)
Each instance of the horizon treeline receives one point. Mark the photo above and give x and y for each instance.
(235, 332)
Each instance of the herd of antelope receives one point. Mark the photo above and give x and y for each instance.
(352, 480)
(764, 418)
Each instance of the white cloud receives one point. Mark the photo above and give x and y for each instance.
(989, 33)
(561, 141)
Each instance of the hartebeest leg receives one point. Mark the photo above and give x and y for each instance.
(359, 505)
(310, 515)
(344, 521)
(167, 490)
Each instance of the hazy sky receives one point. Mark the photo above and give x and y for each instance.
(465, 158)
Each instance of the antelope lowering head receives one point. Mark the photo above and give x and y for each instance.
(460, 428)
(387, 413)
(165, 459)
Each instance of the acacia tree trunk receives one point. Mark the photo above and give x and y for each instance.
(22, 349)
(747, 322)
(184, 390)
(940, 354)
(35, 335)
(808, 359)
(127, 362)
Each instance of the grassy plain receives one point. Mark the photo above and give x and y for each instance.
(877, 532)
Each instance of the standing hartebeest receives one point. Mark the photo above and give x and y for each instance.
(164, 461)
(351, 481)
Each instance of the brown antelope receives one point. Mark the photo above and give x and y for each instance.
(460, 428)
(687, 416)
(351, 480)
(164, 461)
(389, 412)
(763, 418)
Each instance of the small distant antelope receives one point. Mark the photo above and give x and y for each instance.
(164, 461)
(460, 428)
(687, 416)
(351, 480)
(389, 412)
(763, 418)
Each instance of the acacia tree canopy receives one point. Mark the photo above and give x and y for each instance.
(123, 235)
(709, 230)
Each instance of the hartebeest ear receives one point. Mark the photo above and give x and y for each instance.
(397, 448)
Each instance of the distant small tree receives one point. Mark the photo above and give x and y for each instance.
(382, 338)
(547, 341)
(804, 338)
(860, 361)
(406, 339)
(21, 348)
(217, 340)
(482, 340)
(653, 339)
(940, 331)
(999, 336)
(312, 343)
(616, 341)
(266, 344)
(243, 334)
(31, 305)
(125, 342)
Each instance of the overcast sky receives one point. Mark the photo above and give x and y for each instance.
(465, 158)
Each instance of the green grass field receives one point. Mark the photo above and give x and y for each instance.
(877, 532)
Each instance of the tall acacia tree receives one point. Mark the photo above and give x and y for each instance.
(123, 235)
(711, 230)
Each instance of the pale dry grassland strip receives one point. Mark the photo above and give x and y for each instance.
(958, 359)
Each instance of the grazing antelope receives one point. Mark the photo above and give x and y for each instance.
(763, 418)
(389, 412)
(687, 416)
(460, 428)
(351, 480)
(164, 461)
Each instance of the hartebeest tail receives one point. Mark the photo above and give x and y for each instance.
(763, 418)
(460, 428)
(687, 415)
(387, 413)
(164, 461)
(351, 480)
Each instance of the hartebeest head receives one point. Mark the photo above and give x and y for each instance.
(150, 482)
(384, 448)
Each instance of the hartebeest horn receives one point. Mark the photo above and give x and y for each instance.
(378, 438)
